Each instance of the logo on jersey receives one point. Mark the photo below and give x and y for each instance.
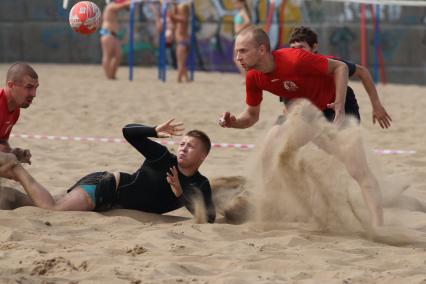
(290, 86)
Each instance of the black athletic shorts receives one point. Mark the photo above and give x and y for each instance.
(105, 193)
(351, 107)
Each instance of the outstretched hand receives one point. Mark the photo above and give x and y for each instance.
(173, 180)
(381, 116)
(226, 119)
(339, 112)
(169, 129)
(23, 155)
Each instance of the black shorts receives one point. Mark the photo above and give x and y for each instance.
(105, 192)
(351, 107)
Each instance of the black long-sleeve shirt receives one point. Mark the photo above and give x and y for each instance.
(148, 190)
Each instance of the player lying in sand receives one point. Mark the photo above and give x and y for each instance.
(163, 183)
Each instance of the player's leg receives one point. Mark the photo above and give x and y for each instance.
(108, 44)
(116, 59)
(352, 154)
(182, 55)
(40, 196)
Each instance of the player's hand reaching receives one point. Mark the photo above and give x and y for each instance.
(339, 112)
(23, 155)
(173, 180)
(169, 129)
(227, 119)
(381, 116)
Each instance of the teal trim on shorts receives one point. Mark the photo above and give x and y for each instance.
(90, 189)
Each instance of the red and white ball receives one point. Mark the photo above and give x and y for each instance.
(85, 17)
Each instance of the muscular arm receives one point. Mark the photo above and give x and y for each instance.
(379, 112)
(5, 146)
(137, 135)
(340, 73)
(245, 119)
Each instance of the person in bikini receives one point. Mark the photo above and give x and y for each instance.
(163, 183)
(111, 50)
(181, 34)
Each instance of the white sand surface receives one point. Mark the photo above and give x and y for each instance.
(41, 246)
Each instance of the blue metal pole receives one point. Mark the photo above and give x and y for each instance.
(193, 43)
(131, 38)
(162, 44)
(376, 46)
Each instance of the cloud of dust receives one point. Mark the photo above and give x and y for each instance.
(294, 181)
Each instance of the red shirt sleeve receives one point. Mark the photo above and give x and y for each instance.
(309, 63)
(254, 93)
(15, 118)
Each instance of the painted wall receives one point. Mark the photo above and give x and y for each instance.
(38, 31)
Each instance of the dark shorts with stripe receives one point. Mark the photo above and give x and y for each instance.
(105, 193)
(351, 107)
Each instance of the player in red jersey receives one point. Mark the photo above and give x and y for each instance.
(19, 92)
(296, 73)
(306, 38)
(288, 73)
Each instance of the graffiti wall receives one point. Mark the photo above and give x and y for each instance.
(38, 31)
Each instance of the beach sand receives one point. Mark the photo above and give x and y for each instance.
(123, 246)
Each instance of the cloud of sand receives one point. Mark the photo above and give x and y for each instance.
(295, 181)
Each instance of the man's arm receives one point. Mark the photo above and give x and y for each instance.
(23, 155)
(189, 196)
(379, 112)
(5, 146)
(137, 135)
(340, 73)
(244, 120)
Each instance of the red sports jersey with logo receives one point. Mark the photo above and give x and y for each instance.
(7, 118)
(297, 74)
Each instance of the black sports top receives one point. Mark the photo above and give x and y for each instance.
(148, 190)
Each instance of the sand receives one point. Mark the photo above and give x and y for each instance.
(41, 246)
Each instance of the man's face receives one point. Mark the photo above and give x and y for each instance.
(24, 92)
(303, 45)
(191, 152)
(247, 52)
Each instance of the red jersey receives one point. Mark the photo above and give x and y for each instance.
(297, 74)
(7, 118)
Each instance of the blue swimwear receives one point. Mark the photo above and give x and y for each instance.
(184, 42)
(106, 32)
(90, 189)
(101, 188)
(238, 19)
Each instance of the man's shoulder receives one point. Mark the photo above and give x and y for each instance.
(286, 51)
(200, 179)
